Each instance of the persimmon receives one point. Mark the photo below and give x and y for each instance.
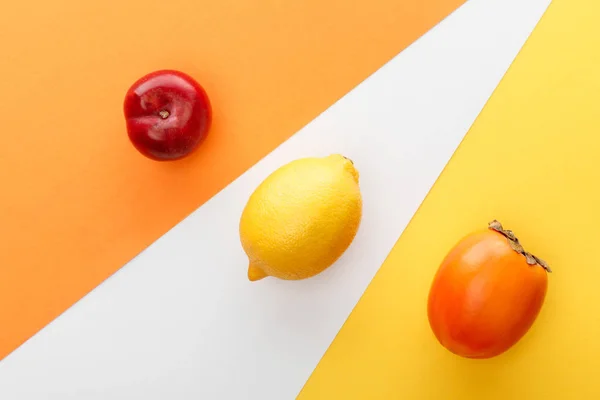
(486, 294)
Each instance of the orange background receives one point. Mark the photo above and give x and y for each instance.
(77, 201)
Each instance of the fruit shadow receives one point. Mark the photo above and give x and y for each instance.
(476, 378)
(305, 310)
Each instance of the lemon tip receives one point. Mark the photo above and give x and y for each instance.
(255, 273)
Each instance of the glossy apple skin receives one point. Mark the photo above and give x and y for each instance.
(168, 114)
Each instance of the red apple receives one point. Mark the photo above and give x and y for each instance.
(168, 115)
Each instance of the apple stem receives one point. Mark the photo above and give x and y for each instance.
(164, 114)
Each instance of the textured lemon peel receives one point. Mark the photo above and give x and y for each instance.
(274, 254)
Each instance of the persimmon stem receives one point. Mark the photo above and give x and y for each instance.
(517, 246)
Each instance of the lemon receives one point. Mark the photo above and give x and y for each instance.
(301, 218)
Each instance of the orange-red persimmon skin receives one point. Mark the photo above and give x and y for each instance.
(485, 297)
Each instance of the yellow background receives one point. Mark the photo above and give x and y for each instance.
(532, 160)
